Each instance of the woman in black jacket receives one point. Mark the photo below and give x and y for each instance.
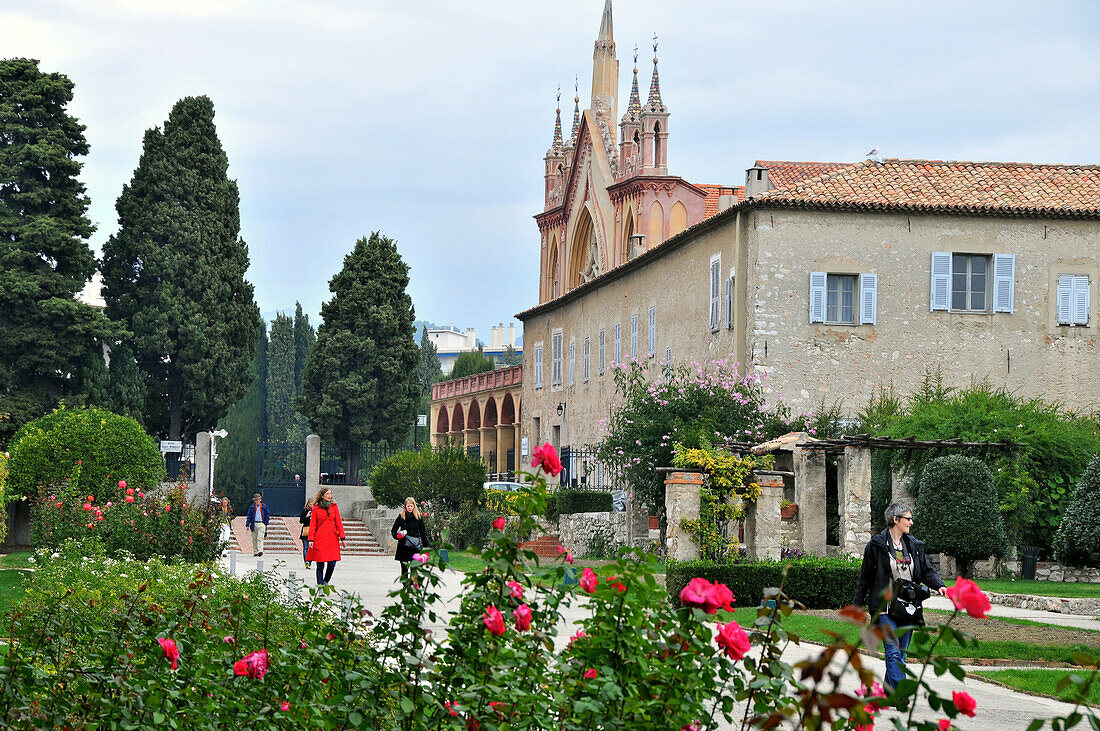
(409, 532)
(889, 556)
(303, 518)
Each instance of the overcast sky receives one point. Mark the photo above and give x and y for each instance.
(428, 119)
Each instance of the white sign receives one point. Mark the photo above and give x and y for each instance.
(523, 447)
(422, 420)
(167, 447)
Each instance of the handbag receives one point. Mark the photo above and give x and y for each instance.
(412, 541)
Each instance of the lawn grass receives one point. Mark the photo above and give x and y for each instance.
(813, 629)
(1013, 620)
(1040, 588)
(1043, 682)
(16, 560)
(12, 583)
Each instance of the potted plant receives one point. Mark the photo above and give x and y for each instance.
(787, 509)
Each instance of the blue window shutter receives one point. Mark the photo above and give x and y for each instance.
(868, 298)
(1004, 278)
(941, 281)
(817, 296)
(1081, 300)
(1066, 284)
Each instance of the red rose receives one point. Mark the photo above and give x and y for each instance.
(707, 596)
(516, 589)
(522, 613)
(945, 725)
(254, 665)
(590, 673)
(733, 639)
(170, 650)
(122, 485)
(589, 580)
(546, 457)
(967, 596)
(964, 702)
(499, 523)
(493, 621)
(285, 706)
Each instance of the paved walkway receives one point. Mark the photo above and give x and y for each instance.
(372, 578)
(1073, 621)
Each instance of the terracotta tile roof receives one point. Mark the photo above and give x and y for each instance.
(932, 185)
(710, 203)
(786, 173)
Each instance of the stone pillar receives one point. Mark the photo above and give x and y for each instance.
(313, 465)
(901, 488)
(767, 529)
(199, 491)
(637, 522)
(809, 491)
(682, 501)
(854, 495)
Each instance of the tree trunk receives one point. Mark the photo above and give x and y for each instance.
(175, 403)
(352, 461)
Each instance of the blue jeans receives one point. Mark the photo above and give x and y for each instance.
(894, 649)
(305, 548)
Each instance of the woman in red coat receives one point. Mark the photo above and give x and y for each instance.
(326, 535)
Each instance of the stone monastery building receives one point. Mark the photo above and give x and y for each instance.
(832, 278)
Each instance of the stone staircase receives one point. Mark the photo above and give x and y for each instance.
(545, 546)
(282, 538)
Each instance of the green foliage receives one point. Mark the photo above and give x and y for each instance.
(448, 476)
(1033, 483)
(125, 521)
(304, 338)
(509, 357)
(882, 487)
(1078, 540)
(235, 473)
(583, 501)
(469, 527)
(280, 378)
(88, 447)
(48, 339)
(691, 405)
(4, 461)
(815, 581)
(174, 275)
(428, 368)
(957, 512)
(470, 362)
(360, 381)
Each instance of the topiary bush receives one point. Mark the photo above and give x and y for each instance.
(583, 501)
(817, 582)
(88, 447)
(448, 477)
(1077, 542)
(957, 511)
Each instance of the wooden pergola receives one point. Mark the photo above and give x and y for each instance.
(837, 445)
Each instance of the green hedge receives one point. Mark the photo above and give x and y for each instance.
(819, 583)
(445, 476)
(583, 501)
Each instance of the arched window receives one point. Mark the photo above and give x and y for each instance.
(656, 144)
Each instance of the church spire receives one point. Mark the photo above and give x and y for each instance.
(556, 146)
(655, 83)
(605, 23)
(576, 112)
(634, 106)
(605, 70)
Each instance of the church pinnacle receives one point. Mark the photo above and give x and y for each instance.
(655, 83)
(634, 106)
(605, 68)
(556, 146)
(576, 113)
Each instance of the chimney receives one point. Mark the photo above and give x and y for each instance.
(756, 181)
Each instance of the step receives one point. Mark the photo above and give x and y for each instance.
(283, 538)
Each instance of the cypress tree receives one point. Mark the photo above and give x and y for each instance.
(174, 274)
(428, 369)
(304, 338)
(1077, 542)
(49, 341)
(360, 383)
(280, 378)
(235, 472)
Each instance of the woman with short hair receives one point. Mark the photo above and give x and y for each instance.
(890, 558)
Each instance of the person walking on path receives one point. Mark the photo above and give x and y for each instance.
(304, 518)
(259, 515)
(326, 535)
(895, 565)
(409, 532)
(225, 521)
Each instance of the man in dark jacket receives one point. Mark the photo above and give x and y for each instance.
(890, 556)
(259, 515)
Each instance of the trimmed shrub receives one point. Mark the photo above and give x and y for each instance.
(470, 528)
(583, 501)
(818, 582)
(957, 511)
(89, 447)
(448, 476)
(1078, 540)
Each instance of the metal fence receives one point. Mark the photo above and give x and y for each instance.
(334, 466)
(581, 468)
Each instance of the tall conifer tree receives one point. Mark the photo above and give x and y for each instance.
(304, 338)
(50, 343)
(280, 378)
(429, 369)
(174, 274)
(360, 381)
(235, 473)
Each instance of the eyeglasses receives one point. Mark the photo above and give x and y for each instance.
(906, 517)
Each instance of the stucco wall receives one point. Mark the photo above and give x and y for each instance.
(1025, 350)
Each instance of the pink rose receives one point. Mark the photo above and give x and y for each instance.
(421, 557)
(499, 523)
(254, 665)
(129, 498)
(589, 580)
(733, 639)
(87, 506)
(170, 650)
(522, 613)
(707, 596)
(516, 589)
(129, 490)
(493, 621)
(579, 635)
(963, 701)
(590, 673)
(945, 725)
(546, 456)
(967, 596)
(569, 557)
(285, 706)
(122, 486)
(228, 639)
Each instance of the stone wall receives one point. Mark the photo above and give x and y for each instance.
(575, 530)
(378, 522)
(1087, 607)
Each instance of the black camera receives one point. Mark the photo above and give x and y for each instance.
(911, 592)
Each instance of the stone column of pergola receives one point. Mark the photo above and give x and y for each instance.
(854, 499)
